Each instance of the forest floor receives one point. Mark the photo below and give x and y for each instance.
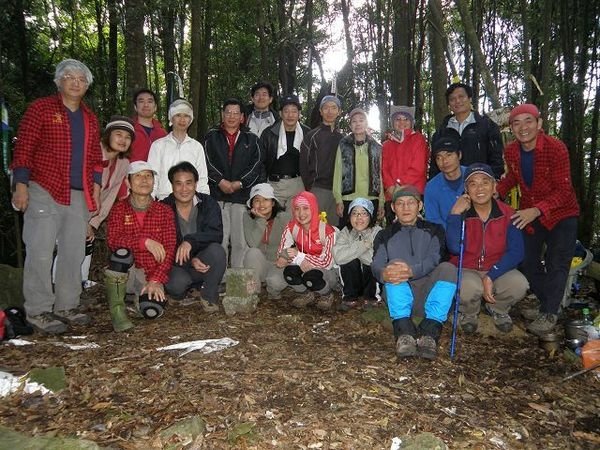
(301, 379)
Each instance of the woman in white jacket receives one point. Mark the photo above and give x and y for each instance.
(176, 147)
(353, 252)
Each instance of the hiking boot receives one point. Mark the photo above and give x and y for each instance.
(544, 324)
(468, 323)
(502, 321)
(47, 323)
(427, 347)
(530, 313)
(326, 302)
(406, 346)
(209, 307)
(304, 300)
(73, 317)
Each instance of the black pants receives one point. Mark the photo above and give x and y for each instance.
(358, 280)
(548, 281)
(345, 220)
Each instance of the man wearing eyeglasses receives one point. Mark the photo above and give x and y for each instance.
(57, 174)
(407, 260)
(234, 165)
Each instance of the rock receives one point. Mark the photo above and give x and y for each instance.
(184, 431)
(12, 439)
(423, 441)
(11, 280)
(241, 283)
(240, 305)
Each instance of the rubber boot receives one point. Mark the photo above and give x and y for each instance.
(116, 288)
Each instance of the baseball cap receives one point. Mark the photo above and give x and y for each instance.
(139, 166)
(479, 168)
(446, 144)
(289, 100)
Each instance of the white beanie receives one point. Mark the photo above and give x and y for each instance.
(180, 106)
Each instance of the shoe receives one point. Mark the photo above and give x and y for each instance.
(73, 317)
(349, 303)
(406, 346)
(468, 323)
(209, 307)
(427, 347)
(274, 296)
(47, 323)
(326, 302)
(502, 321)
(304, 300)
(544, 324)
(530, 313)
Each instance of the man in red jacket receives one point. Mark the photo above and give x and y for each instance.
(57, 173)
(147, 128)
(539, 165)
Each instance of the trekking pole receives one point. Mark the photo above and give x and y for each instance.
(461, 252)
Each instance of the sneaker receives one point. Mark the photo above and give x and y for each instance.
(502, 321)
(304, 300)
(326, 302)
(406, 346)
(544, 324)
(209, 307)
(72, 317)
(468, 323)
(427, 347)
(47, 323)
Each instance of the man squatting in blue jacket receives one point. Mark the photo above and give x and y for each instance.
(407, 260)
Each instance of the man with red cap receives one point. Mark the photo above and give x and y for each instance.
(539, 165)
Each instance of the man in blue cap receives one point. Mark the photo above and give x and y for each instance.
(493, 248)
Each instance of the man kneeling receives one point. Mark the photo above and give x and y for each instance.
(493, 248)
(142, 228)
(407, 261)
(200, 258)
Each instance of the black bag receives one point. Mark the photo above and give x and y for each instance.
(16, 323)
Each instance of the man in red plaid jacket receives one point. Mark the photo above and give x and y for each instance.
(57, 173)
(539, 165)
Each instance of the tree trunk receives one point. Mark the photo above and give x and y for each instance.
(439, 74)
(480, 63)
(113, 63)
(135, 45)
(166, 30)
(402, 78)
(201, 35)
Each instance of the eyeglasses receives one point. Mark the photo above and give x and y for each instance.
(73, 79)
(359, 214)
(407, 204)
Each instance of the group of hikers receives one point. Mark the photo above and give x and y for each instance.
(301, 207)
